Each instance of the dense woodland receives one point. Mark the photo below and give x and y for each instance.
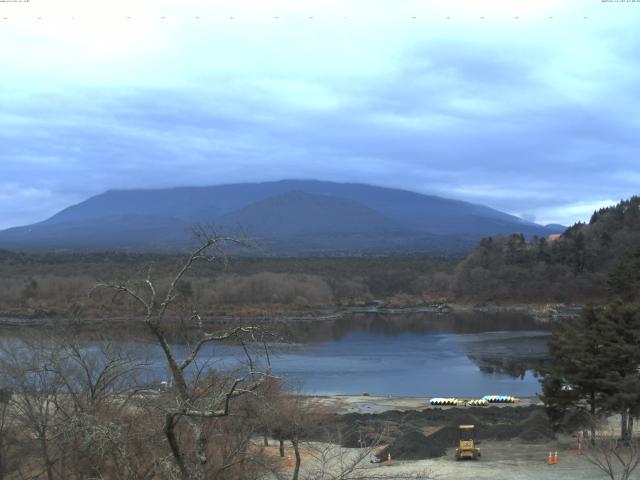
(507, 269)
(572, 268)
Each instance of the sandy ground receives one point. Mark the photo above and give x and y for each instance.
(500, 461)
(370, 404)
(506, 460)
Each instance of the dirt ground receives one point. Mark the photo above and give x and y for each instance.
(513, 460)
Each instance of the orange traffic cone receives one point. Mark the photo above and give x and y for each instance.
(389, 461)
(555, 458)
(290, 461)
(550, 459)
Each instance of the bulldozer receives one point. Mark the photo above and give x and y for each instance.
(467, 443)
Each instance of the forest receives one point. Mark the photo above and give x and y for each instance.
(501, 270)
(572, 268)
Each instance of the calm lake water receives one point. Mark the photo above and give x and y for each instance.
(415, 364)
(418, 355)
(411, 354)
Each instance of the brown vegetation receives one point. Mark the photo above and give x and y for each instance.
(55, 285)
(76, 412)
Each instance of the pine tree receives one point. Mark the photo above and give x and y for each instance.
(621, 341)
(624, 280)
(577, 378)
(597, 356)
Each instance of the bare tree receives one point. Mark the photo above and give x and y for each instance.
(9, 456)
(33, 405)
(67, 405)
(93, 377)
(96, 412)
(616, 458)
(316, 442)
(291, 418)
(194, 402)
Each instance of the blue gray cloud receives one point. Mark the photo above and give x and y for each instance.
(534, 116)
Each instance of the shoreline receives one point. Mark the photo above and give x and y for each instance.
(542, 312)
(374, 404)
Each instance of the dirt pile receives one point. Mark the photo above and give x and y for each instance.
(407, 442)
(536, 428)
(412, 446)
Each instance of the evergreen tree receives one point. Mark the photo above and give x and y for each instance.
(624, 280)
(621, 342)
(577, 378)
(597, 356)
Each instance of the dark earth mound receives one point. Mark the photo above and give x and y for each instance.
(412, 446)
(403, 431)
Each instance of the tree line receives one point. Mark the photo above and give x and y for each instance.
(56, 284)
(572, 268)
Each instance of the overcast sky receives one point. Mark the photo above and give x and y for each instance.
(535, 116)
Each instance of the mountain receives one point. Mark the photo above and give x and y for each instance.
(287, 217)
(299, 213)
(556, 227)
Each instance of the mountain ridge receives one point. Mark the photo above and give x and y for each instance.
(325, 216)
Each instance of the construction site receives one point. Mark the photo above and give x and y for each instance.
(396, 437)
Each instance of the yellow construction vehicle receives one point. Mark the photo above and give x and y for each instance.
(467, 444)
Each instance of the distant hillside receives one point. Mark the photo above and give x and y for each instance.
(556, 226)
(301, 214)
(572, 268)
(288, 217)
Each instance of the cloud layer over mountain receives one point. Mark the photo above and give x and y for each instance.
(533, 115)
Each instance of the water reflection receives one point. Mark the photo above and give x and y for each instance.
(321, 330)
(422, 354)
(493, 353)
(418, 354)
(507, 353)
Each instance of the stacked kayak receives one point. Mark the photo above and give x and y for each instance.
(478, 403)
(446, 401)
(499, 399)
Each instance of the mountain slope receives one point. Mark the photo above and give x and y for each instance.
(128, 231)
(556, 226)
(291, 216)
(299, 213)
(426, 213)
(306, 222)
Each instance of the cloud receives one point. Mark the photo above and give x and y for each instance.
(19, 203)
(566, 214)
(531, 115)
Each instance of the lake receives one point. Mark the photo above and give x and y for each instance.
(419, 355)
(413, 364)
(425, 354)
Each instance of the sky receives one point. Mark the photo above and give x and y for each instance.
(529, 107)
